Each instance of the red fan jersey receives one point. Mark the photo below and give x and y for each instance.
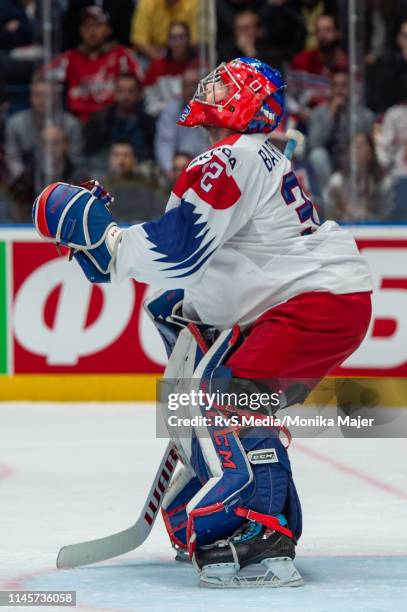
(90, 77)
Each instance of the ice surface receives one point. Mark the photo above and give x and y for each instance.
(70, 472)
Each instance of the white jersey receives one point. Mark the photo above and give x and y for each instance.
(240, 236)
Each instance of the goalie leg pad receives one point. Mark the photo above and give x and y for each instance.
(256, 475)
(275, 493)
(211, 511)
(184, 486)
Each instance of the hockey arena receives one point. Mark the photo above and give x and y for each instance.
(203, 311)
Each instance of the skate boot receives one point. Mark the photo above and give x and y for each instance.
(256, 555)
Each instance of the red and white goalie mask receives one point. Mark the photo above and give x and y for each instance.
(244, 95)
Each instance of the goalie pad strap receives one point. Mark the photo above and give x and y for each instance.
(264, 519)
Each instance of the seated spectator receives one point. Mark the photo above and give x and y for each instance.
(23, 129)
(89, 72)
(284, 31)
(391, 140)
(136, 197)
(387, 79)
(151, 22)
(249, 40)
(391, 143)
(328, 134)
(9, 210)
(47, 163)
(226, 12)
(372, 193)
(52, 163)
(171, 137)
(179, 163)
(309, 73)
(377, 25)
(4, 106)
(18, 51)
(16, 26)
(310, 11)
(120, 16)
(126, 120)
(163, 80)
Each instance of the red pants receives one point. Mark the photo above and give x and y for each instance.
(306, 337)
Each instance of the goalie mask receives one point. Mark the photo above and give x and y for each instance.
(244, 95)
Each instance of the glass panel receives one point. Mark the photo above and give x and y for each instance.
(346, 72)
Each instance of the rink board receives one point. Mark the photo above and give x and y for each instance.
(62, 338)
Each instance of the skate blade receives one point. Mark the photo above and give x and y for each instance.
(182, 557)
(269, 573)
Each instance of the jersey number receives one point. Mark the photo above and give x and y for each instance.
(206, 183)
(293, 194)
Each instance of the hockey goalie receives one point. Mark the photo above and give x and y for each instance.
(254, 289)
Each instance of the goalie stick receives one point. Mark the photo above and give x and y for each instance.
(85, 553)
(294, 138)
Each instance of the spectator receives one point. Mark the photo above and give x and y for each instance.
(47, 163)
(9, 212)
(328, 138)
(3, 113)
(226, 11)
(23, 129)
(377, 26)
(137, 198)
(171, 137)
(372, 194)
(151, 22)
(89, 71)
(249, 40)
(179, 163)
(53, 162)
(391, 140)
(310, 11)
(163, 80)
(120, 12)
(18, 26)
(284, 31)
(387, 79)
(126, 120)
(310, 71)
(122, 160)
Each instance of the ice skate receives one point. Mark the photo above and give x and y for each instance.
(255, 556)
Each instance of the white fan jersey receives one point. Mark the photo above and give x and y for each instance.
(240, 236)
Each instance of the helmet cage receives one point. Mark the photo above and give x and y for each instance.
(212, 85)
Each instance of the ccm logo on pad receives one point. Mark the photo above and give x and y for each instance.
(266, 455)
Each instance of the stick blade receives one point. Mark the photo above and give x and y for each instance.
(101, 549)
(92, 551)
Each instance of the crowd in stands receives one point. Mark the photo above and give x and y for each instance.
(105, 104)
